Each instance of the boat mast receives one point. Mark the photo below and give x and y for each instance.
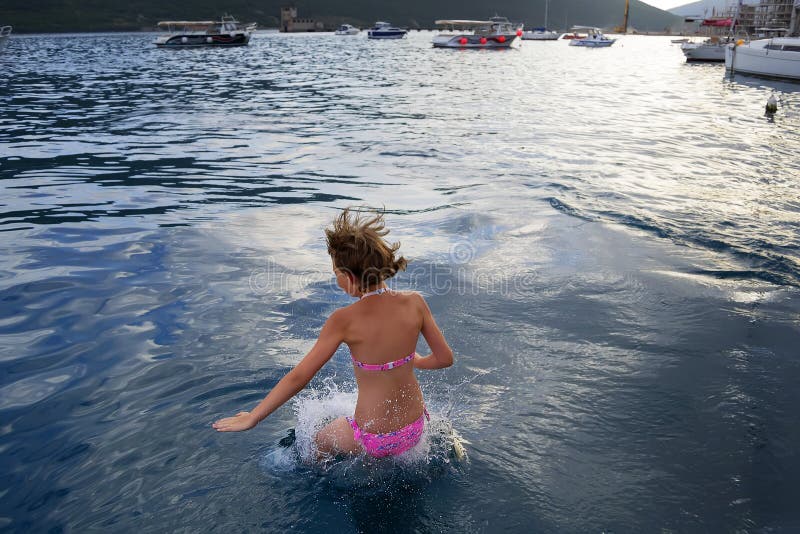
(546, 5)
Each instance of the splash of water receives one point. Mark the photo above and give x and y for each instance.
(439, 450)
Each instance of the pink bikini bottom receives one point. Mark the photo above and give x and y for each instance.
(391, 443)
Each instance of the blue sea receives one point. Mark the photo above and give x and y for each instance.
(609, 239)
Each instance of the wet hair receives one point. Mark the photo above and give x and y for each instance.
(357, 246)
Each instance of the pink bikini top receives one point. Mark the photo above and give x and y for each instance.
(383, 366)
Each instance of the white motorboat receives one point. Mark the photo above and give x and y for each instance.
(5, 33)
(594, 39)
(778, 57)
(540, 34)
(497, 32)
(186, 33)
(346, 29)
(384, 30)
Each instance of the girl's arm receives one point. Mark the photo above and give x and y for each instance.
(330, 338)
(441, 355)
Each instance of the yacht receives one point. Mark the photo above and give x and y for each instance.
(778, 57)
(594, 39)
(5, 33)
(497, 32)
(346, 29)
(186, 33)
(384, 30)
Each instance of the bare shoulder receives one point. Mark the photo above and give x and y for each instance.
(413, 299)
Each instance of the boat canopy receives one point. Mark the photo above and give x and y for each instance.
(717, 23)
(590, 28)
(463, 23)
(187, 23)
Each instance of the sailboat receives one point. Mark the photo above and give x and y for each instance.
(541, 34)
(777, 57)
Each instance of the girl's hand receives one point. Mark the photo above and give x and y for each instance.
(237, 423)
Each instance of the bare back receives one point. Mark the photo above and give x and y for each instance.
(380, 329)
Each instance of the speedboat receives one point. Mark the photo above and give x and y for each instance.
(186, 33)
(594, 39)
(384, 30)
(497, 32)
(778, 57)
(346, 29)
(540, 34)
(5, 33)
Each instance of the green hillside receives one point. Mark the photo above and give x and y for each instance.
(104, 15)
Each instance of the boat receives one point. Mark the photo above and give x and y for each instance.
(496, 32)
(188, 33)
(384, 30)
(778, 57)
(5, 33)
(346, 29)
(680, 41)
(712, 48)
(774, 57)
(541, 34)
(594, 39)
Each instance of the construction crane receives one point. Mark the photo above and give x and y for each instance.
(624, 27)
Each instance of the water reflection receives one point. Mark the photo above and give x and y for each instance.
(163, 263)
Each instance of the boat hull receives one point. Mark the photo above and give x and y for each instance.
(540, 36)
(194, 41)
(754, 58)
(375, 34)
(474, 41)
(703, 52)
(591, 43)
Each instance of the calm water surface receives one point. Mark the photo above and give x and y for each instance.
(608, 238)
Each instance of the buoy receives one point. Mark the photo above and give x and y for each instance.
(501, 39)
(209, 40)
(483, 40)
(463, 40)
(184, 40)
(740, 42)
(772, 104)
(519, 33)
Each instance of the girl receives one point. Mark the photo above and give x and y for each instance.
(381, 329)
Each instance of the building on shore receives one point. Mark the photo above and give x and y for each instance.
(291, 23)
(774, 15)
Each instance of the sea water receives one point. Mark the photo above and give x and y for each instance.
(608, 239)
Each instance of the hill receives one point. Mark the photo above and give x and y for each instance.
(705, 8)
(104, 15)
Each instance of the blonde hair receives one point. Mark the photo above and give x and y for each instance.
(356, 244)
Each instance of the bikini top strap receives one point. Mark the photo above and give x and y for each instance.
(384, 366)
